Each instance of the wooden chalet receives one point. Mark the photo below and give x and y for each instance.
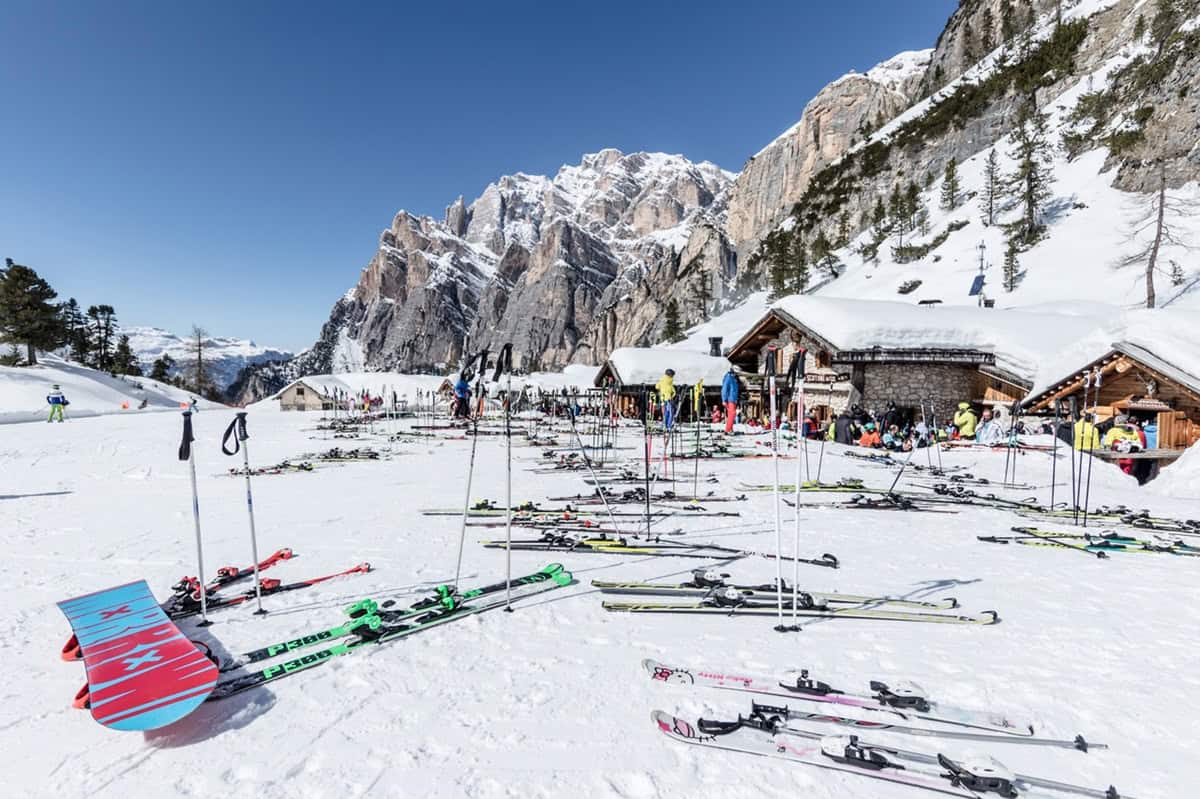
(1134, 382)
(630, 372)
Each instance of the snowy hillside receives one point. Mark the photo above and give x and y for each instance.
(23, 391)
(225, 356)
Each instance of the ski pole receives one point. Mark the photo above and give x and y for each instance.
(1073, 417)
(770, 369)
(186, 454)
(1054, 451)
(482, 359)
(237, 431)
(1082, 425)
(796, 372)
(937, 439)
(1092, 437)
(504, 365)
(646, 412)
(825, 435)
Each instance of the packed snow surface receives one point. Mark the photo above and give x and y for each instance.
(551, 698)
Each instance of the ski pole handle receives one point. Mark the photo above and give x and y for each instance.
(185, 445)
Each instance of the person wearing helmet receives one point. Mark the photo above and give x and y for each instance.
(666, 394)
(57, 403)
(965, 420)
(870, 437)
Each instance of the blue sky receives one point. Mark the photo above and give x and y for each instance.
(232, 163)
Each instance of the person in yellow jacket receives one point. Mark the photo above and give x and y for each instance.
(965, 420)
(666, 393)
(1086, 434)
(697, 400)
(1122, 431)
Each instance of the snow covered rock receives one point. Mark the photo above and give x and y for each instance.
(225, 357)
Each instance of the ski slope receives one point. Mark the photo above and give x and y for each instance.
(23, 391)
(552, 699)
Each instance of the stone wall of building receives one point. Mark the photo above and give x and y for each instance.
(911, 385)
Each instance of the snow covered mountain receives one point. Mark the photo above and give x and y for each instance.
(571, 267)
(226, 357)
(546, 263)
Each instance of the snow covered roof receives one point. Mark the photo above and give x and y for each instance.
(376, 383)
(729, 326)
(1165, 339)
(1019, 339)
(645, 365)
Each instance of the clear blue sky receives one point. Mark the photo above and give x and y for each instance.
(232, 163)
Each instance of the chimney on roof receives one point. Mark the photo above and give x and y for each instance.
(714, 346)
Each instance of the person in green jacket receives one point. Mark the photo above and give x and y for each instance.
(965, 420)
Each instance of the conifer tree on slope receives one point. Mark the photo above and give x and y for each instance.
(991, 188)
(1030, 183)
(26, 314)
(950, 186)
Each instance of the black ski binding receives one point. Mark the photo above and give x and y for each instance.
(804, 685)
(904, 700)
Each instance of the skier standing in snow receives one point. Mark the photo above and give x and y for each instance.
(965, 420)
(1087, 437)
(666, 393)
(462, 398)
(730, 389)
(58, 403)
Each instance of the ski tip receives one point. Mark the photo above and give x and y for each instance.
(83, 698)
(990, 617)
(71, 651)
(830, 560)
(950, 602)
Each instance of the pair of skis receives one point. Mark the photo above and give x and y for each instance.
(1099, 545)
(734, 602)
(705, 582)
(373, 623)
(768, 731)
(602, 544)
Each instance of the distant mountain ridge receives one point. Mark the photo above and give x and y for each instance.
(226, 357)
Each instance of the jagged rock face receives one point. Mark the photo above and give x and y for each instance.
(774, 179)
(973, 30)
(528, 262)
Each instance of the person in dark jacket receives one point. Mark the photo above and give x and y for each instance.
(842, 432)
(730, 391)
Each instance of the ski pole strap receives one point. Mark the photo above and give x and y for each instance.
(185, 445)
(238, 425)
(503, 362)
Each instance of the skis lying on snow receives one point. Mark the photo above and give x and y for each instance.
(731, 602)
(704, 582)
(639, 495)
(853, 486)
(180, 606)
(373, 628)
(971, 778)
(1099, 545)
(283, 467)
(187, 594)
(898, 701)
(1120, 515)
(884, 501)
(528, 511)
(775, 718)
(602, 544)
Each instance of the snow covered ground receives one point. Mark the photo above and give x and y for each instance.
(552, 698)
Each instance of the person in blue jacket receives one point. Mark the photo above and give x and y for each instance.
(729, 396)
(57, 403)
(462, 398)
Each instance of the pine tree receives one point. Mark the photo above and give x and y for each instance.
(75, 330)
(702, 294)
(914, 206)
(797, 264)
(895, 210)
(1160, 220)
(1177, 276)
(991, 187)
(987, 33)
(161, 370)
(950, 186)
(1165, 22)
(1012, 268)
(197, 372)
(672, 330)
(1008, 21)
(103, 325)
(1030, 184)
(879, 221)
(1139, 28)
(822, 254)
(843, 230)
(125, 361)
(27, 315)
(968, 40)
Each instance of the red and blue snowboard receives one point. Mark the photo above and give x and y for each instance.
(142, 672)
